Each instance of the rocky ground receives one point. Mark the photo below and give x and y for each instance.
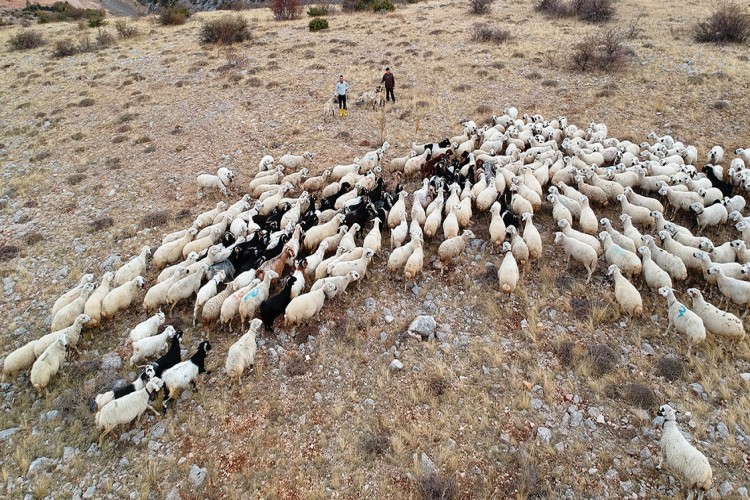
(400, 389)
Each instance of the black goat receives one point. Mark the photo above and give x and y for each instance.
(273, 307)
(330, 201)
(172, 356)
(724, 187)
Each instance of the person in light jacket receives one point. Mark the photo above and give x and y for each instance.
(342, 88)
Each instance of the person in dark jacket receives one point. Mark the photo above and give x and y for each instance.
(390, 83)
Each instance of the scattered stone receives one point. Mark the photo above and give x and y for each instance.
(197, 475)
(89, 493)
(726, 488)
(722, 430)
(647, 350)
(38, 465)
(369, 403)
(370, 305)
(395, 365)
(109, 262)
(6, 433)
(543, 434)
(427, 465)
(745, 376)
(111, 361)
(174, 494)
(742, 492)
(423, 325)
(536, 403)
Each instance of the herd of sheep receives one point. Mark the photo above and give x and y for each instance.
(294, 241)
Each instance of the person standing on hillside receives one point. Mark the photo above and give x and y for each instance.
(342, 88)
(390, 83)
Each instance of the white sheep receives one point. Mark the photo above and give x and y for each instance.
(712, 215)
(170, 252)
(156, 296)
(71, 294)
(48, 364)
(588, 221)
(630, 231)
(19, 360)
(582, 252)
(121, 297)
(627, 261)
(683, 320)
(414, 263)
(508, 274)
(250, 302)
(716, 321)
(220, 181)
(359, 265)
(186, 287)
(638, 214)
(373, 238)
(559, 211)
(731, 269)
(683, 252)
(307, 305)
(628, 298)
(716, 155)
(207, 291)
(150, 346)
(127, 408)
(139, 383)
(265, 163)
(682, 457)
(169, 271)
(655, 276)
(316, 234)
(67, 315)
(295, 161)
(93, 306)
(732, 289)
(147, 328)
(453, 247)
(643, 201)
(617, 236)
(134, 267)
(72, 334)
(241, 354)
(665, 260)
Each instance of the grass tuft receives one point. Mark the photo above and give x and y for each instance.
(26, 39)
(436, 487)
(729, 24)
(671, 368)
(155, 218)
(101, 224)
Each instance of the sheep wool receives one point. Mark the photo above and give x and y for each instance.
(71, 333)
(126, 409)
(718, 322)
(242, 353)
(682, 457)
(180, 375)
(147, 328)
(20, 359)
(121, 297)
(93, 306)
(48, 364)
(67, 315)
(683, 320)
(71, 294)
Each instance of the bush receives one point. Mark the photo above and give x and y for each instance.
(97, 22)
(65, 48)
(124, 29)
(26, 39)
(362, 5)
(317, 10)
(318, 24)
(226, 30)
(104, 38)
(173, 16)
(604, 50)
(485, 33)
(480, 6)
(284, 10)
(593, 11)
(728, 24)
(436, 487)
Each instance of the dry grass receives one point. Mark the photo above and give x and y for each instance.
(253, 437)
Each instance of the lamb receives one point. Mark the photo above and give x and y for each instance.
(329, 108)
(170, 252)
(241, 354)
(672, 264)
(121, 297)
(72, 334)
(220, 181)
(735, 290)
(718, 322)
(147, 328)
(138, 384)
(716, 155)
(655, 276)
(453, 247)
(712, 215)
(48, 364)
(265, 163)
(207, 292)
(134, 267)
(682, 457)
(627, 295)
(627, 261)
(19, 360)
(186, 287)
(93, 306)
(683, 320)
(582, 252)
(295, 161)
(307, 305)
(127, 408)
(67, 315)
(71, 294)
(157, 294)
(313, 184)
(150, 346)
(507, 273)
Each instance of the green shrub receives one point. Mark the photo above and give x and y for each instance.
(728, 24)
(318, 23)
(26, 39)
(317, 10)
(362, 5)
(174, 15)
(97, 22)
(226, 30)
